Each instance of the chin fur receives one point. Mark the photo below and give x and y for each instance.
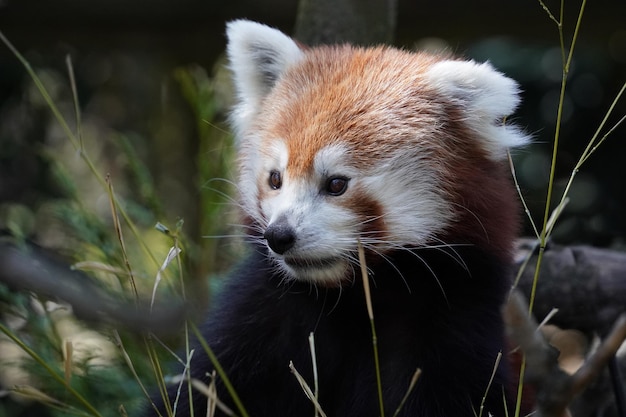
(323, 272)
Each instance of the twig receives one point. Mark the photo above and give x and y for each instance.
(519, 193)
(555, 388)
(599, 359)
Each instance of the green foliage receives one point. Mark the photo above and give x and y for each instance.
(215, 158)
(141, 181)
(110, 234)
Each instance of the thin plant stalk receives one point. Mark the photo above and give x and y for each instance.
(519, 193)
(68, 358)
(33, 394)
(314, 365)
(186, 371)
(174, 253)
(213, 402)
(120, 237)
(118, 230)
(414, 378)
(158, 374)
(543, 235)
(493, 375)
(150, 347)
(370, 313)
(220, 371)
(186, 327)
(520, 386)
(307, 390)
(129, 363)
(79, 130)
(593, 144)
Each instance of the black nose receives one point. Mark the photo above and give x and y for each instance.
(280, 236)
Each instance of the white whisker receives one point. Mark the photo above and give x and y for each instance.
(229, 236)
(480, 223)
(456, 256)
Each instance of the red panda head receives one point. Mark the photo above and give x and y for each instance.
(400, 150)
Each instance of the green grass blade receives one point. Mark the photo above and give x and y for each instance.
(220, 371)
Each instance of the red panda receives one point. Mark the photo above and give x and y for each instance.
(404, 152)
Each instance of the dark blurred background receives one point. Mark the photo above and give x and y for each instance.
(126, 55)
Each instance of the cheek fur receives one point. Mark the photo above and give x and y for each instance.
(371, 227)
(481, 197)
(370, 215)
(486, 212)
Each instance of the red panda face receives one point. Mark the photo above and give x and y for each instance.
(312, 215)
(395, 149)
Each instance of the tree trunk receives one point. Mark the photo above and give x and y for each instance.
(364, 22)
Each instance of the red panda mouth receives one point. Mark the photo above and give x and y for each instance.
(308, 263)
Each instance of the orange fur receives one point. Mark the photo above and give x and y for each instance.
(357, 110)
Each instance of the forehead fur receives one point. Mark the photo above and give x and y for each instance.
(370, 100)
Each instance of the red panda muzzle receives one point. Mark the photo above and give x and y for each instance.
(280, 236)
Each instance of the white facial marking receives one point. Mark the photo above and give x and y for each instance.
(413, 209)
(332, 160)
(324, 229)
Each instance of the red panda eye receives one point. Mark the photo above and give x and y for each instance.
(336, 186)
(275, 180)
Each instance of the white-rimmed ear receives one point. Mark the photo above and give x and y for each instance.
(258, 55)
(486, 97)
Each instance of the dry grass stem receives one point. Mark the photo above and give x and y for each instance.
(120, 236)
(314, 364)
(171, 255)
(519, 193)
(118, 342)
(220, 371)
(493, 375)
(370, 313)
(68, 356)
(211, 394)
(414, 378)
(307, 390)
